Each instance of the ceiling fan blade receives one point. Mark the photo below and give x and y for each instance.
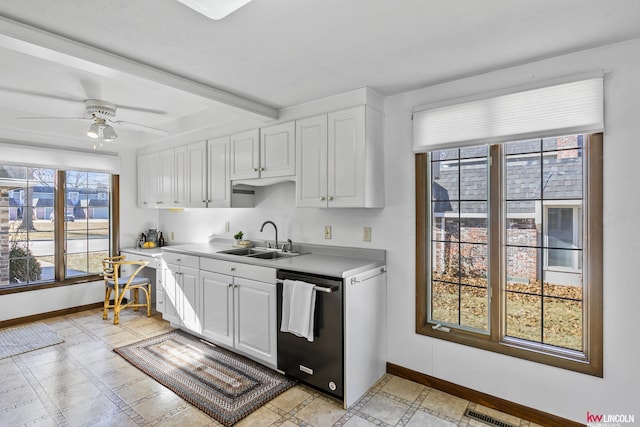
(54, 118)
(141, 109)
(136, 126)
(35, 94)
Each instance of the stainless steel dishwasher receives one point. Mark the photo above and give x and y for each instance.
(318, 363)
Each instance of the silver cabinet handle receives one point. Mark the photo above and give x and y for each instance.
(233, 269)
(330, 198)
(322, 198)
(255, 169)
(261, 169)
(230, 285)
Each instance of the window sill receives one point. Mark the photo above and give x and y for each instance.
(19, 287)
(548, 355)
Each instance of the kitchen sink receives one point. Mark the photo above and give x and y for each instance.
(243, 251)
(273, 255)
(259, 253)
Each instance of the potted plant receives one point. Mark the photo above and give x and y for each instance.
(238, 237)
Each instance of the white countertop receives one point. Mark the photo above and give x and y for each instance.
(152, 252)
(316, 259)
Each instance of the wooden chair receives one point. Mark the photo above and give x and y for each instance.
(119, 285)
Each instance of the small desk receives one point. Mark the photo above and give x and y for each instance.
(153, 270)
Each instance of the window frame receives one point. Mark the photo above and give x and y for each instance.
(589, 361)
(59, 238)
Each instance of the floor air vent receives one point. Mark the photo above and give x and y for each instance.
(486, 419)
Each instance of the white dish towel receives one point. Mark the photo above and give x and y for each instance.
(298, 307)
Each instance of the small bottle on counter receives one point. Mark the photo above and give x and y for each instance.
(160, 240)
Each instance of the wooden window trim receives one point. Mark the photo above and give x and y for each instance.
(59, 267)
(591, 361)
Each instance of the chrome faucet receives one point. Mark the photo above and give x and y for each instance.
(274, 226)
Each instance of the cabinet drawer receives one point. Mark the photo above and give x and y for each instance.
(237, 269)
(181, 259)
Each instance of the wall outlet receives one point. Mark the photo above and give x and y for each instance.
(172, 236)
(366, 234)
(327, 231)
(226, 227)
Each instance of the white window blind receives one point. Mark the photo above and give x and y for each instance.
(56, 158)
(549, 111)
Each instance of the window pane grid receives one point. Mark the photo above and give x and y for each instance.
(459, 191)
(30, 226)
(543, 204)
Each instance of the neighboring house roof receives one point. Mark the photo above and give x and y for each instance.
(559, 177)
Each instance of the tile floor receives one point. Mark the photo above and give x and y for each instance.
(82, 382)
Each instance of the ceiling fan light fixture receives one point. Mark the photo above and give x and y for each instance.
(214, 9)
(94, 131)
(108, 133)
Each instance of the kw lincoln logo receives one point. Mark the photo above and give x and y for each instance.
(609, 420)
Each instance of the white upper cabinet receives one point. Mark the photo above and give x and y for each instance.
(166, 179)
(311, 153)
(143, 181)
(180, 178)
(195, 175)
(219, 182)
(245, 155)
(264, 153)
(340, 159)
(277, 151)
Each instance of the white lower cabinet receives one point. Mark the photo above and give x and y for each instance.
(181, 282)
(239, 308)
(217, 307)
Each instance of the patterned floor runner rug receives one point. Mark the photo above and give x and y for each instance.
(21, 339)
(224, 385)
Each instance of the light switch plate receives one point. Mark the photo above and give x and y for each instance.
(366, 234)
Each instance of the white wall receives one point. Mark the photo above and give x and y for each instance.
(549, 389)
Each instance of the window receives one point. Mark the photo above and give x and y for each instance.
(509, 246)
(55, 226)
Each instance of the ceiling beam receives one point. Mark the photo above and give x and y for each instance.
(35, 42)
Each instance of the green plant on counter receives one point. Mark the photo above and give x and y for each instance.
(238, 235)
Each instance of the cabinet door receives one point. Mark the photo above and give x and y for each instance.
(216, 310)
(160, 298)
(166, 177)
(143, 181)
(189, 313)
(245, 152)
(278, 150)
(311, 161)
(219, 180)
(172, 293)
(180, 181)
(196, 185)
(255, 319)
(153, 179)
(346, 154)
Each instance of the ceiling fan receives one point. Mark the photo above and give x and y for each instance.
(101, 114)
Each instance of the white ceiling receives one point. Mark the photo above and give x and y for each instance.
(180, 71)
